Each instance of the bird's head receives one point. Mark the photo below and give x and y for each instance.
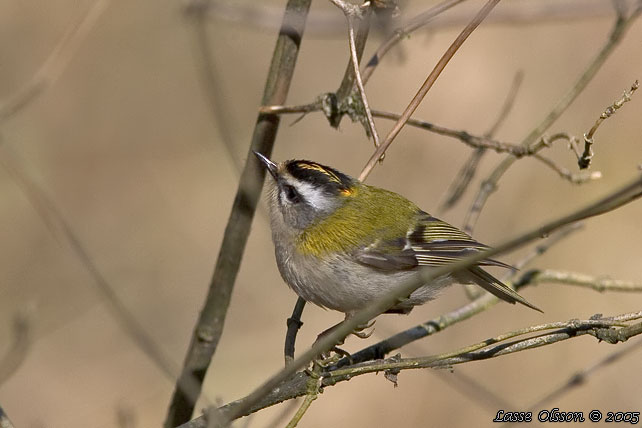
(305, 191)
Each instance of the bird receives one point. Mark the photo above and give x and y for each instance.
(341, 244)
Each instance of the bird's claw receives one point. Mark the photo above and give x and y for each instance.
(364, 334)
(329, 358)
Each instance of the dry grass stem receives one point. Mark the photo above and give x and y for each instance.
(425, 87)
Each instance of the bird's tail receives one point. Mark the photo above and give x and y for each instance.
(496, 287)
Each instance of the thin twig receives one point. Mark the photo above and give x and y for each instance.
(264, 16)
(314, 385)
(352, 12)
(518, 150)
(508, 104)
(489, 185)
(600, 284)
(574, 178)
(490, 348)
(471, 140)
(585, 160)
(294, 324)
(544, 246)
(343, 94)
(209, 327)
(574, 325)
(280, 418)
(425, 87)
(467, 172)
(414, 24)
(55, 64)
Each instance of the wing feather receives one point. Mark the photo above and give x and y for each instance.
(436, 243)
(431, 243)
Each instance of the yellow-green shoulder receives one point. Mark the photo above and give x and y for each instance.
(367, 215)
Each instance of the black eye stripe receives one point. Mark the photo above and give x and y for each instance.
(291, 193)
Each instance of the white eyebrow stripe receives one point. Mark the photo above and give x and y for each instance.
(313, 195)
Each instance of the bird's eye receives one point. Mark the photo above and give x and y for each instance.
(291, 194)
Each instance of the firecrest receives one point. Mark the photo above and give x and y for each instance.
(341, 244)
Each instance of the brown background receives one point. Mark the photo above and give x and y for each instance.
(125, 144)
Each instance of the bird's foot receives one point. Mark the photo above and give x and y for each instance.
(360, 333)
(331, 357)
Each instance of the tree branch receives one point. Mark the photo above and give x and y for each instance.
(425, 87)
(294, 324)
(352, 12)
(523, 339)
(585, 160)
(601, 284)
(489, 185)
(467, 172)
(342, 95)
(209, 327)
(415, 23)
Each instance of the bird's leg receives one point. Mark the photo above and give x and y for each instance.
(358, 331)
(326, 356)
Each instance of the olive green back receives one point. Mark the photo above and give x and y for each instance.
(369, 214)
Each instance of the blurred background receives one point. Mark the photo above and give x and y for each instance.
(122, 139)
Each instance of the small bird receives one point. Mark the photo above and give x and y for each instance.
(340, 243)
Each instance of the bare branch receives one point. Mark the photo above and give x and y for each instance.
(545, 245)
(294, 324)
(489, 185)
(585, 160)
(467, 172)
(209, 327)
(313, 388)
(600, 284)
(415, 23)
(574, 178)
(425, 87)
(351, 12)
(262, 16)
(464, 177)
(343, 94)
(487, 349)
(463, 136)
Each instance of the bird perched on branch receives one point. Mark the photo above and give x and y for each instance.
(341, 244)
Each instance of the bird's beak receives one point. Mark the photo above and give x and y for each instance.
(268, 164)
